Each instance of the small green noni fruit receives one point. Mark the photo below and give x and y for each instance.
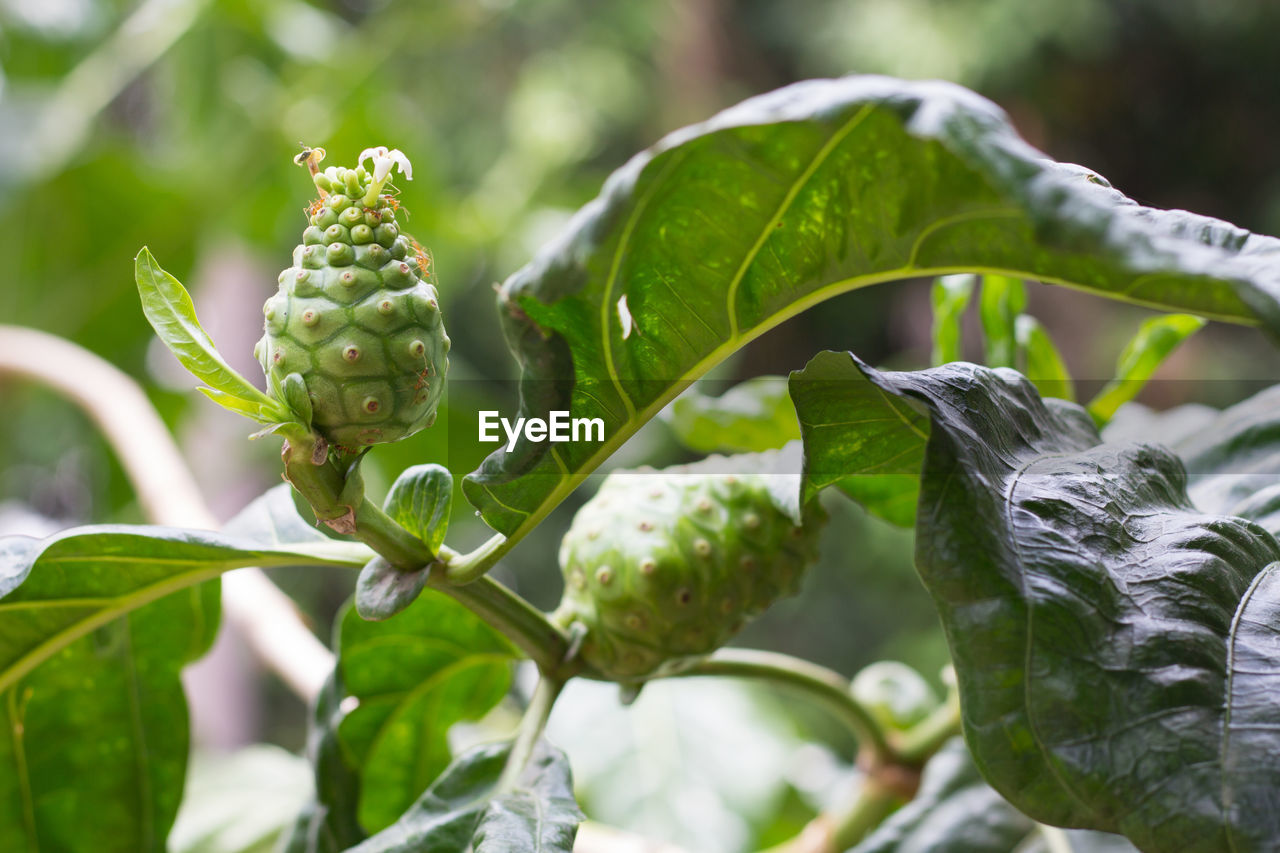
(356, 317)
(666, 565)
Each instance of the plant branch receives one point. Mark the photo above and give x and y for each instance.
(167, 492)
(918, 744)
(531, 726)
(522, 623)
(825, 686)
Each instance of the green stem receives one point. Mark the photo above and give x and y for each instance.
(465, 568)
(826, 686)
(874, 803)
(522, 623)
(531, 726)
(918, 744)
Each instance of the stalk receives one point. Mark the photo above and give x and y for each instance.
(531, 726)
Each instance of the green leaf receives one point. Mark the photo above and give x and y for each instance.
(461, 811)
(1002, 300)
(414, 676)
(1114, 646)
(723, 230)
(751, 417)
(171, 313)
(57, 590)
(1042, 363)
(95, 739)
(1232, 456)
(950, 297)
(1142, 356)
(868, 443)
(420, 500)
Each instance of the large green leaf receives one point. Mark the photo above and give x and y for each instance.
(95, 626)
(1115, 646)
(57, 590)
(869, 443)
(1232, 456)
(723, 230)
(414, 675)
(462, 811)
(95, 739)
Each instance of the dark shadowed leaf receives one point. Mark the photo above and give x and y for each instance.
(461, 808)
(1115, 646)
(414, 676)
(723, 230)
(856, 436)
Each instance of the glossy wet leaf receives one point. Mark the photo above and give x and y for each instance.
(1114, 645)
(171, 313)
(461, 811)
(1154, 342)
(723, 230)
(950, 298)
(857, 437)
(1232, 456)
(414, 676)
(751, 417)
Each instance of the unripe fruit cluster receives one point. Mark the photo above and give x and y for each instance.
(662, 566)
(357, 318)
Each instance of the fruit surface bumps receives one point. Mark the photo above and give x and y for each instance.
(664, 565)
(357, 318)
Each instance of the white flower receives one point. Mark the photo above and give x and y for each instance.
(384, 160)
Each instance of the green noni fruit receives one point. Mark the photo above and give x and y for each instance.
(356, 316)
(666, 565)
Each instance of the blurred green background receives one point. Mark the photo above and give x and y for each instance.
(172, 123)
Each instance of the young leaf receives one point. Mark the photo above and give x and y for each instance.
(462, 811)
(868, 443)
(171, 313)
(414, 676)
(750, 417)
(420, 500)
(1142, 356)
(1114, 646)
(1001, 301)
(817, 189)
(950, 297)
(1042, 363)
